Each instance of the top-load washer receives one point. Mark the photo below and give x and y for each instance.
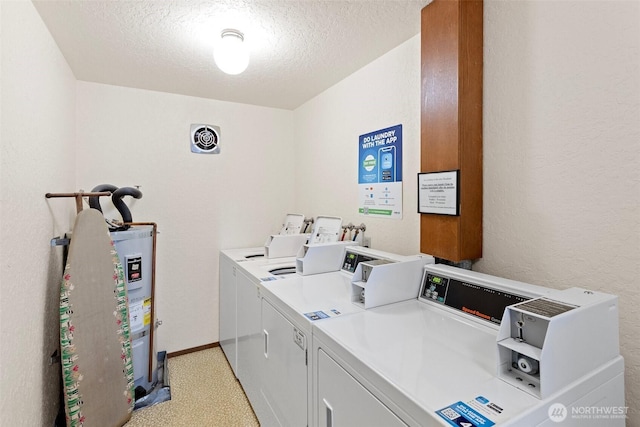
(249, 339)
(290, 307)
(243, 254)
(246, 279)
(229, 260)
(472, 350)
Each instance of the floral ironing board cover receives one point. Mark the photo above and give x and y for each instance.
(97, 370)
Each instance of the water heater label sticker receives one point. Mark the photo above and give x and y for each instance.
(136, 315)
(146, 309)
(463, 415)
(134, 269)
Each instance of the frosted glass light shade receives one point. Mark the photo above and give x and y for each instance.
(231, 53)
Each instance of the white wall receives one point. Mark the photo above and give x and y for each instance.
(36, 157)
(562, 152)
(201, 203)
(384, 93)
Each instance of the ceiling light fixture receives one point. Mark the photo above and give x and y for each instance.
(231, 53)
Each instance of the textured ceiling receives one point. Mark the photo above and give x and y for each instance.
(299, 48)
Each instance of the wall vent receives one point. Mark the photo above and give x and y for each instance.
(205, 139)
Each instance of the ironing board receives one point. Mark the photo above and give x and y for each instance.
(97, 370)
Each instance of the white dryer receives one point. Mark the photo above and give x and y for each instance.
(450, 358)
(289, 308)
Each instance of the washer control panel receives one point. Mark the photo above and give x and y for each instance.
(352, 259)
(477, 300)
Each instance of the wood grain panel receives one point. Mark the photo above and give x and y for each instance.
(451, 122)
(470, 113)
(439, 86)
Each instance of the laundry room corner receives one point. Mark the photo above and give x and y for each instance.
(382, 94)
(201, 203)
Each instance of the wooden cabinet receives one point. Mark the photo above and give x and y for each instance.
(451, 122)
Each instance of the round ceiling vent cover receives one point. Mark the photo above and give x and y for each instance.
(205, 139)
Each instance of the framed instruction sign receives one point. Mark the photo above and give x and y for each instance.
(438, 193)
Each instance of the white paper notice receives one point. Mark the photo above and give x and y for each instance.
(438, 193)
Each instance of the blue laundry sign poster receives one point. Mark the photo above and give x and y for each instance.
(380, 173)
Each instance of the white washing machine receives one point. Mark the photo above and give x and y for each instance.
(248, 279)
(228, 261)
(449, 358)
(244, 254)
(282, 247)
(289, 308)
(248, 275)
(235, 285)
(240, 309)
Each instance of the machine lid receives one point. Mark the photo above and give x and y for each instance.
(283, 271)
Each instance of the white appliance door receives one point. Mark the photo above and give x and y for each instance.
(344, 402)
(285, 368)
(228, 331)
(249, 340)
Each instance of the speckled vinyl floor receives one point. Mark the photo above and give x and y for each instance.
(204, 392)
